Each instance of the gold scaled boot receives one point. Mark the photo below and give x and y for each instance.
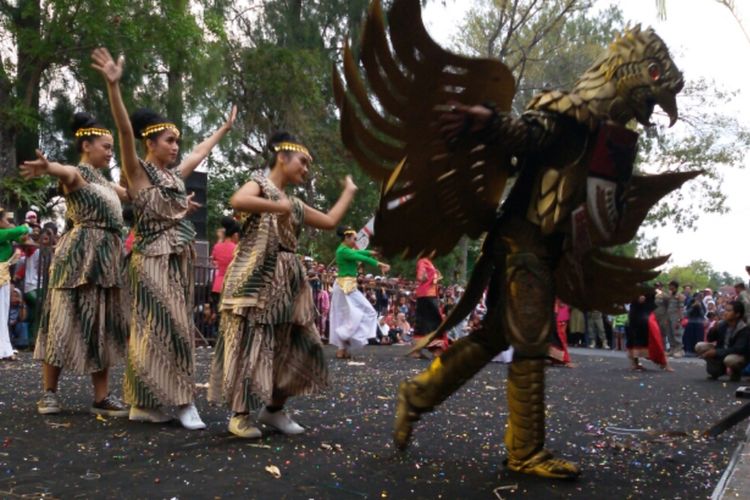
(443, 377)
(524, 438)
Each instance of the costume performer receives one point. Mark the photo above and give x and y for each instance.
(644, 338)
(571, 155)
(268, 347)
(160, 365)
(8, 234)
(83, 327)
(428, 316)
(353, 319)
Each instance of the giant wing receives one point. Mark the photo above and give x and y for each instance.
(433, 193)
(602, 281)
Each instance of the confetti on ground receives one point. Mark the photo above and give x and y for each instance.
(634, 435)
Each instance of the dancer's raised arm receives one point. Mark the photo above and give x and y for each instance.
(320, 220)
(199, 153)
(112, 72)
(69, 176)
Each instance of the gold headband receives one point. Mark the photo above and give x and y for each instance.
(158, 127)
(85, 132)
(292, 146)
(349, 231)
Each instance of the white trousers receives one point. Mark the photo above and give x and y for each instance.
(353, 319)
(6, 349)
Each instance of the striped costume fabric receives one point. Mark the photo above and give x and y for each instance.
(267, 336)
(83, 327)
(160, 364)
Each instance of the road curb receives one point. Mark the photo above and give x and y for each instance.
(735, 482)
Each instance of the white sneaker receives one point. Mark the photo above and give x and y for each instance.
(189, 418)
(240, 425)
(49, 404)
(280, 421)
(153, 415)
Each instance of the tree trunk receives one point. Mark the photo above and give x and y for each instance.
(295, 24)
(29, 72)
(7, 132)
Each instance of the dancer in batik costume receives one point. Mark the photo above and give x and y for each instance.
(269, 348)
(160, 365)
(83, 327)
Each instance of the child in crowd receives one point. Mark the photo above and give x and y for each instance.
(17, 320)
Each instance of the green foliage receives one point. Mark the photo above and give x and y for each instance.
(700, 274)
(16, 192)
(549, 44)
(280, 79)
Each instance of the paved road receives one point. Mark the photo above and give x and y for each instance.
(636, 435)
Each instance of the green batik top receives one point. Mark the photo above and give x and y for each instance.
(347, 258)
(160, 210)
(90, 250)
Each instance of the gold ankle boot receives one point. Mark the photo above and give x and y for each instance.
(443, 377)
(524, 438)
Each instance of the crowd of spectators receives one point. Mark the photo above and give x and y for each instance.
(686, 317)
(393, 298)
(29, 278)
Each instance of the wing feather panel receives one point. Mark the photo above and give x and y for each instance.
(441, 192)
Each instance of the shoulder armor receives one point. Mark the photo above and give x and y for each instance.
(564, 103)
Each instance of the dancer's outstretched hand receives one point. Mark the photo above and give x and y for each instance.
(35, 168)
(192, 206)
(104, 64)
(286, 205)
(384, 268)
(232, 116)
(349, 184)
(458, 119)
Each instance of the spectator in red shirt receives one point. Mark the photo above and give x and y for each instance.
(223, 253)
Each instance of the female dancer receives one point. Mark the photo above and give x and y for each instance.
(160, 364)
(428, 307)
(353, 319)
(83, 326)
(268, 347)
(8, 234)
(643, 338)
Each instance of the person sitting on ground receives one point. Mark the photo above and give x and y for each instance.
(405, 330)
(17, 320)
(728, 345)
(381, 332)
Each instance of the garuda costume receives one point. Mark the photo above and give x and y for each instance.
(570, 159)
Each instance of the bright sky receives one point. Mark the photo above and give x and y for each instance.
(705, 41)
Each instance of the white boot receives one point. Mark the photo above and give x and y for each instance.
(280, 421)
(189, 418)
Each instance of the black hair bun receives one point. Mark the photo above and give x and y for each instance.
(341, 230)
(142, 118)
(230, 225)
(83, 120)
(278, 137)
